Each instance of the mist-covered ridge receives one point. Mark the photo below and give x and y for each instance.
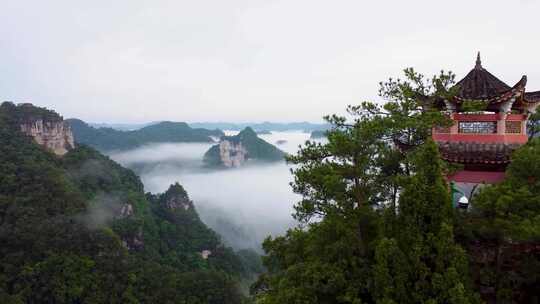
(106, 139)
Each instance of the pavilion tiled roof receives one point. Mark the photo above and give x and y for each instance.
(476, 153)
(532, 96)
(480, 84)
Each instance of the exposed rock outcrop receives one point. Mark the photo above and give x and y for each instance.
(134, 241)
(232, 154)
(125, 211)
(53, 135)
(205, 254)
(47, 128)
(234, 151)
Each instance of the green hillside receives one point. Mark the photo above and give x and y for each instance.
(80, 229)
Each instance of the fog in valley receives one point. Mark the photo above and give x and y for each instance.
(244, 205)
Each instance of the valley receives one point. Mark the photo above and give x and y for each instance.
(244, 205)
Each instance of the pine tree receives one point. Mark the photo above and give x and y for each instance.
(420, 262)
(504, 225)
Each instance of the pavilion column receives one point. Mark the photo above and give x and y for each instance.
(454, 129)
(501, 124)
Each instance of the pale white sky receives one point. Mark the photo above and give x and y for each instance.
(247, 60)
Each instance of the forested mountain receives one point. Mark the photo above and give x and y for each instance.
(122, 126)
(105, 139)
(234, 151)
(79, 228)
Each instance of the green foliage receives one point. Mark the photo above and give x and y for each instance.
(418, 261)
(105, 139)
(321, 265)
(27, 112)
(502, 231)
(251, 261)
(61, 279)
(511, 210)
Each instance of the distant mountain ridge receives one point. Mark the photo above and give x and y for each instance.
(106, 139)
(257, 126)
(122, 126)
(264, 126)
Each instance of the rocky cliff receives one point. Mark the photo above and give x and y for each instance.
(47, 128)
(232, 154)
(234, 151)
(54, 135)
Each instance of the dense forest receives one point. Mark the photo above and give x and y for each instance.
(377, 221)
(106, 139)
(80, 229)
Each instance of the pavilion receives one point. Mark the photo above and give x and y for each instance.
(483, 140)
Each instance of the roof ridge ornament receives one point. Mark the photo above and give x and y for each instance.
(478, 65)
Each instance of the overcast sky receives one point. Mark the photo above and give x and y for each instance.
(247, 60)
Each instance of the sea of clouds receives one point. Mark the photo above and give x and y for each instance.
(244, 205)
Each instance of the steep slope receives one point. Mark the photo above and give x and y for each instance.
(105, 139)
(234, 151)
(80, 229)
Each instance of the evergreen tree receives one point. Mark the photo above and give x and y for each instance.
(420, 262)
(502, 231)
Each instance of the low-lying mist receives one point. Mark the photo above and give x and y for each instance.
(243, 205)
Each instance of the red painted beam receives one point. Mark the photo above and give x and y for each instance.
(482, 138)
(477, 177)
(476, 117)
(487, 117)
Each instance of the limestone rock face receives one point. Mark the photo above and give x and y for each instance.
(53, 135)
(235, 151)
(205, 254)
(232, 154)
(135, 241)
(125, 211)
(174, 203)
